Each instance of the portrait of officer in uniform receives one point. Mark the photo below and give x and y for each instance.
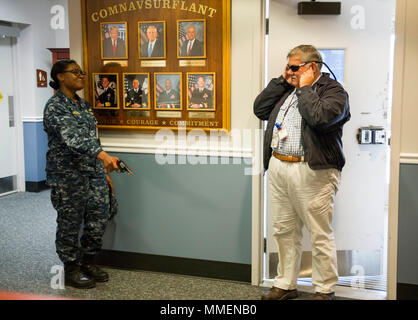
(191, 38)
(136, 90)
(201, 93)
(105, 90)
(114, 40)
(168, 90)
(152, 40)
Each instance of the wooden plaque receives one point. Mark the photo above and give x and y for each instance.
(176, 40)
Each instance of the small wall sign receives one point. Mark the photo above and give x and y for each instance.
(41, 78)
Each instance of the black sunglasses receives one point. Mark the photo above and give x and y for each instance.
(296, 68)
(76, 72)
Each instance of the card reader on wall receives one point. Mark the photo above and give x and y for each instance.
(371, 135)
(316, 7)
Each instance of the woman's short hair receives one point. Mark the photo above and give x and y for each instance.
(59, 67)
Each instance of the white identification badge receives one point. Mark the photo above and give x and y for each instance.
(274, 140)
(282, 133)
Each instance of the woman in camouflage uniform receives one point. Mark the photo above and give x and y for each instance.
(75, 170)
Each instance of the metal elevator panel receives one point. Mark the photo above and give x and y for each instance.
(8, 184)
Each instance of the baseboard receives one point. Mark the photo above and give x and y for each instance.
(406, 291)
(176, 265)
(36, 186)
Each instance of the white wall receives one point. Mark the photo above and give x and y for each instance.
(33, 17)
(360, 203)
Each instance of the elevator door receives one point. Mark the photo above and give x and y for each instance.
(8, 130)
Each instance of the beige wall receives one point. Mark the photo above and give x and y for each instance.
(409, 107)
(404, 142)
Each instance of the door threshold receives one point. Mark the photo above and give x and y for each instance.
(7, 193)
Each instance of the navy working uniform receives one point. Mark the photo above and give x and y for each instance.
(107, 98)
(202, 97)
(133, 97)
(79, 189)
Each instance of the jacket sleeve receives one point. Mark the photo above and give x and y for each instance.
(267, 99)
(323, 113)
(77, 138)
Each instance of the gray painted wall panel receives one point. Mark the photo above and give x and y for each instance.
(408, 225)
(190, 211)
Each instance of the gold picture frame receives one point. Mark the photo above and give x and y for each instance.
(163, 101)
(106, 42)
(183, 32)
(205, 100)
(160, 47)
(141, 77)
(106, 104)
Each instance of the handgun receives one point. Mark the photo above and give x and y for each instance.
(123, 167)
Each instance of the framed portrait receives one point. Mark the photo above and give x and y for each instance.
(168, 91)
(152, 39)
(191, 39)
(201, 91)
(105, 88)
(114, 40)
(136, 93)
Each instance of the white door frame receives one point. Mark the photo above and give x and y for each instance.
(18, 117)
(395, 144)
(257, 248)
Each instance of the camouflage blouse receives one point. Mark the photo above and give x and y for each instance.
(72, 139)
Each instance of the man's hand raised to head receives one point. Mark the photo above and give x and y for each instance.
(307, 78)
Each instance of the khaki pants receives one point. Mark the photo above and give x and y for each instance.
(302, 196)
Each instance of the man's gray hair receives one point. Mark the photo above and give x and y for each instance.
(306, 53)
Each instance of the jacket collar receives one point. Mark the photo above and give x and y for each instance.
(324, 78)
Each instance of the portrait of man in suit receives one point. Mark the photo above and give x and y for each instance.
(152, 40)
(136, 90)
(191, 40)
(113, 41)
(105, 88)
(201, 92)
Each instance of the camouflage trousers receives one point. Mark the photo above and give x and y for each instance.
(82, 204)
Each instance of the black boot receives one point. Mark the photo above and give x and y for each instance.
(75, 278)
(93, 270)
